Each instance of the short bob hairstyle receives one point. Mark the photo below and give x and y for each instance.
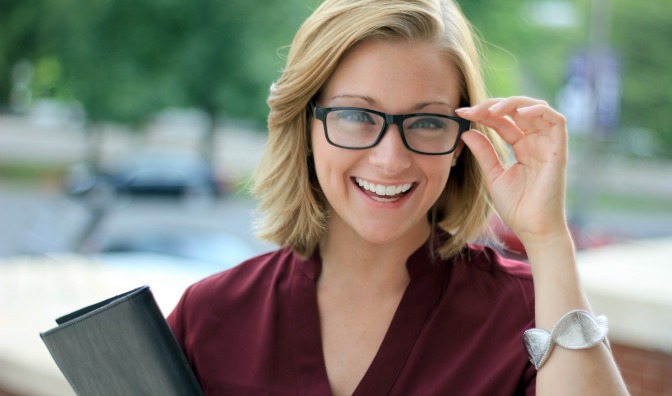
(292, 205)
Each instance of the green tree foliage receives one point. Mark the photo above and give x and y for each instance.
(107, 59)
(641, 34)
(125, 59)
(19, 39)
(521, 56)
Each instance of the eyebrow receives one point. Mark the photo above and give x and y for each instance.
(365, 98)
(372, 101)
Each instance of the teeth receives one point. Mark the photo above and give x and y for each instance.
(382, 190)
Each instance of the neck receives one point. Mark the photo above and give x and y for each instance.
(351, 261)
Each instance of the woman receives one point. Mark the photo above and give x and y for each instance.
(373, 182)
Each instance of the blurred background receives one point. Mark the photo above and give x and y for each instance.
(128, 130)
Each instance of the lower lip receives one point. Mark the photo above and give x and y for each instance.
(386, 205)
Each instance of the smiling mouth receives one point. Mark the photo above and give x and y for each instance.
(384, 193)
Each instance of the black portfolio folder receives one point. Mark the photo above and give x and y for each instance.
(121, 346)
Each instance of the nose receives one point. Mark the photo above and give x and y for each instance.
(390, 154)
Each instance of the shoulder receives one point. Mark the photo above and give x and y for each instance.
(241, 292)
(234, 313)
(247, 277)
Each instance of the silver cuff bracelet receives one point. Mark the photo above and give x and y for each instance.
(577, 329)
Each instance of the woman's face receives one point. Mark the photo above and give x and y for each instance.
(395, 78)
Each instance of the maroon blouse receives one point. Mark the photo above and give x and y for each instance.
(255, 329)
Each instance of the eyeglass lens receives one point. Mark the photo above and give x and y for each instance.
(355, 128)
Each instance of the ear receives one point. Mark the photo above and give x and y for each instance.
(458, 150)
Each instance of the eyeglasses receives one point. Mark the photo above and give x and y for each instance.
(357, 129)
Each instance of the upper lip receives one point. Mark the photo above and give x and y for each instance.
(383, 189)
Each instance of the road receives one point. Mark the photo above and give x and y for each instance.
(36, 220)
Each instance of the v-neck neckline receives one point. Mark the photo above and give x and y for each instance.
(415, 306)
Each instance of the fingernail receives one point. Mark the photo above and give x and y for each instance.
(495, 107)
(463, 110)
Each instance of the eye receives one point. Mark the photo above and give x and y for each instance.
(427, 123)
(358, 116)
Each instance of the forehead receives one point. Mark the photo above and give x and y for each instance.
(394, 75)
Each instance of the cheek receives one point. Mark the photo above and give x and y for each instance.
(438, 168)
(326, 161)
(437, 175)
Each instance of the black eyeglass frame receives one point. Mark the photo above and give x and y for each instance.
(320, 113)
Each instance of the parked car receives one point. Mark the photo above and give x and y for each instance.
(167, 173)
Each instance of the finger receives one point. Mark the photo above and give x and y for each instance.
(543, 120)
(502, 125)
(505, 127)
(536, 118)
(479, 110)
(510, 106)
(485, 155)
(543, 113)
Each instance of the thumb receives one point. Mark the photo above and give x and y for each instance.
(485, 155)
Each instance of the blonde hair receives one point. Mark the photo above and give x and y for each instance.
(290, 199)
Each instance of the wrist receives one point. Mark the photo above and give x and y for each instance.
(557, 285)
(558, 243)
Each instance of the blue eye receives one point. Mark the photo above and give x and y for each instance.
(428, 123)
(355, 116)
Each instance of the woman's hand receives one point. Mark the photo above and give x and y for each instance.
(530, 197)
(530, 194)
